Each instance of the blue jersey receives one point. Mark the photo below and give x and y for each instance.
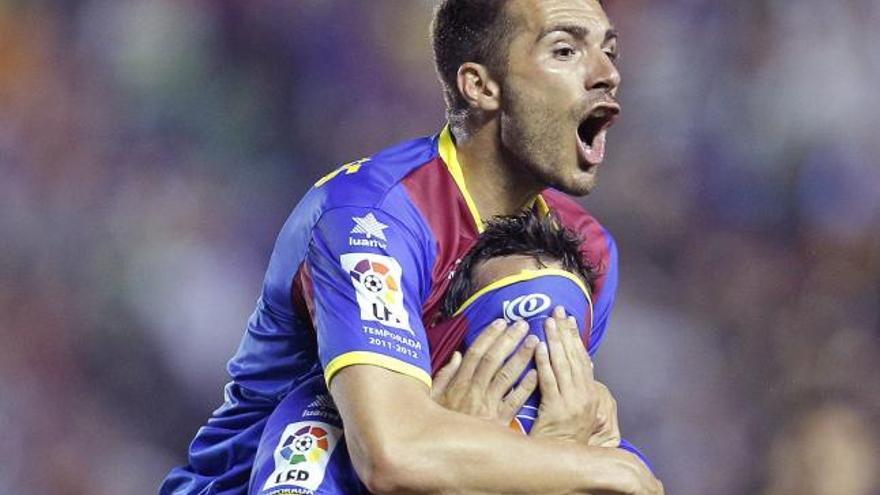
(357, 277)
(303, 450)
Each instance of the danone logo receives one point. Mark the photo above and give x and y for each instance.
(377, 283)
(302, 455)
(524, 307)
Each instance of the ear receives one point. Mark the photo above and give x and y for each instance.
(478, 88)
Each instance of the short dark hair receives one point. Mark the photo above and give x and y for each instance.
(529, 233)
(468, 31)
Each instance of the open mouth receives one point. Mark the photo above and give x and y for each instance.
(592, 132)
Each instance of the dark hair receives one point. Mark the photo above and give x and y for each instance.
(468, 31)
(529, 233)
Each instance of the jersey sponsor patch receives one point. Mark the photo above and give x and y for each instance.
(524, 307)
(302, 455)
(377, 282)
(368, 232)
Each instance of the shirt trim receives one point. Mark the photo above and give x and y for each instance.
(449, 155)
(374, 359)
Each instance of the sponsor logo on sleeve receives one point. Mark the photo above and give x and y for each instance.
(377, 283)
(368, 232)
(322, 407)
(524, 307)
(302, 455)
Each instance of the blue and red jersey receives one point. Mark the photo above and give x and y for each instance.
(357, 276)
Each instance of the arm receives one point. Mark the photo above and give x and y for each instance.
(402, 442)
(484, 385)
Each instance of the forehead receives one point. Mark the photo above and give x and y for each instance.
(537, 16)
(497, 268)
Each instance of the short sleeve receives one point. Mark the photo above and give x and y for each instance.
(367, 275)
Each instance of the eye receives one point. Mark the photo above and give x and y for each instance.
(612, 51)
(564, 52)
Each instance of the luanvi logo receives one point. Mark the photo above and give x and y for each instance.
(368, 232)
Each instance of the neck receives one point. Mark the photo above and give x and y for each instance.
(497, 185)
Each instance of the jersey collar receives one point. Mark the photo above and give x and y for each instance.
(446, 148)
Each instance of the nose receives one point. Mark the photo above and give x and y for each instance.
(603, 74)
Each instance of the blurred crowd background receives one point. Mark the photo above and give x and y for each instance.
(151, 150)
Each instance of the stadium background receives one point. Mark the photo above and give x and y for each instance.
(150, 151)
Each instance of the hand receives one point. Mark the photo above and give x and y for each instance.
(608, 428)
(638, 479)
(480, 383)
(569, 397)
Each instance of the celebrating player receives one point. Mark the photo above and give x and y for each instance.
(355, 283)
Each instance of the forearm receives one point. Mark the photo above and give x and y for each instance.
(419, 447)
(475, 456)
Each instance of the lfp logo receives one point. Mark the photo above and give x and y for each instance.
(307, 444)
(524, 307)
(377, 281)
(302, 454)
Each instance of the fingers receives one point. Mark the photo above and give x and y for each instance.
(607, 430)
(558, 354)
(574, 349)
(494, 357)
(444, 376)
(476, 351)
(578, 358)
(644, 480)
(518, 397)
(546, 377)
(583, 358)
(504, 379)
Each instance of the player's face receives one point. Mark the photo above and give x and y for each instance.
(559, 92)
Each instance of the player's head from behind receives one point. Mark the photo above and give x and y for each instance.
(521, 268)
(540, 73)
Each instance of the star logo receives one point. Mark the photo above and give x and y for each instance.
(370, 227)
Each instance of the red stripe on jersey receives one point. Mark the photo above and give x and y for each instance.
(574, 217)
(434, 192)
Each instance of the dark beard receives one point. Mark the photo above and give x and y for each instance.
(530, 142)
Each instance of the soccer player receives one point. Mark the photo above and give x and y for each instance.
(355, 282)
(523, 268)
(527, 267)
